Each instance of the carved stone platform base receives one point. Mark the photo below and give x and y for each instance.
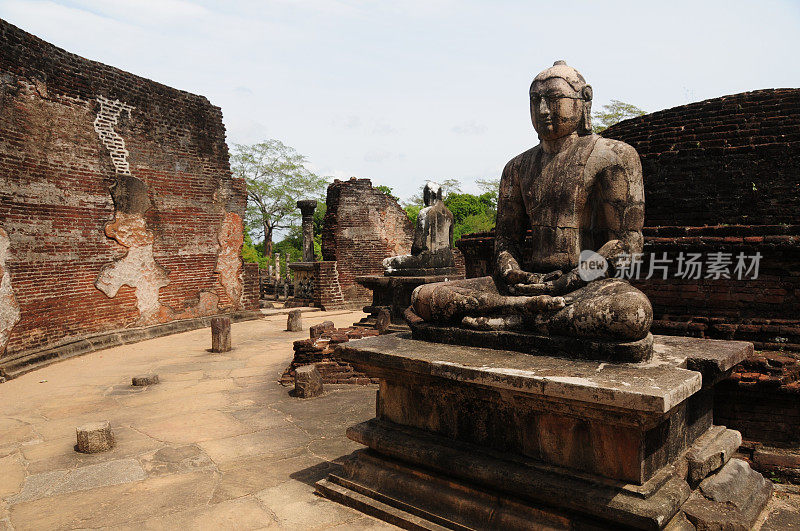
(472, 438)
(450, 272)
(394, 293)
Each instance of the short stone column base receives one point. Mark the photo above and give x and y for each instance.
(95, 437)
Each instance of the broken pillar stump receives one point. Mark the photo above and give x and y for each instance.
(307, 381)
(143, 380)
(315, 331)
(383, 321)
(220, 334)
(294, 323)
(95, 437)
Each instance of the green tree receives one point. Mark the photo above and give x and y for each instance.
(251, 252)
(613, 113)
(386, 190)
(465, 205)
(483, 222)
(412, 211)
(276, 177)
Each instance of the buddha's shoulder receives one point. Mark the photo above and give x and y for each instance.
(523, 158)
(613, 151)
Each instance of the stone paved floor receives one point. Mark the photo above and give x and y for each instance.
(219, 444)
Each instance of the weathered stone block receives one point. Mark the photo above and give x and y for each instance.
(147, 379)
(733, 498)
(294, 321)
(95, 437)
(220, 334)
(307, 381)
(704, 459)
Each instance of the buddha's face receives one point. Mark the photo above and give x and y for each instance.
(556, 108)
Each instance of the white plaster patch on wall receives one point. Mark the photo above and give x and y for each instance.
(138, 268)
(107, 118)
(9, 309)
(229, 261)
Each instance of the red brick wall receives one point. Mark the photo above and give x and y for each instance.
(175, 251)
(327, 290)
(252, 286)
(733, 160)
(362, 227)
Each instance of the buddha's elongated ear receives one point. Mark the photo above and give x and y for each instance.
(586, 126)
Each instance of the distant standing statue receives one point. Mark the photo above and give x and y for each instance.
(575, 191)
(431, 251)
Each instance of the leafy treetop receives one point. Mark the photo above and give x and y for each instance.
(613, 113)
(276, 177)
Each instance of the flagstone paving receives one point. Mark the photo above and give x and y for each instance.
(218, 444)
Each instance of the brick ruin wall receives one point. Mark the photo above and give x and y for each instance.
(732, 160)
(721, 175)
(362, 226)
(117, 204)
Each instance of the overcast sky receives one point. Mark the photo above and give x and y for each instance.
(404, 91)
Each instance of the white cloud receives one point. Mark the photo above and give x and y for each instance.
(421, 88)
(470, 128)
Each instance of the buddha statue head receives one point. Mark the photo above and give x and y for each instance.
(561, 102)
(431, 193)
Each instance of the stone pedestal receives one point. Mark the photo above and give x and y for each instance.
(394, 293)
(316, 284)
(304, 282)
(307, 382)
(483, 438)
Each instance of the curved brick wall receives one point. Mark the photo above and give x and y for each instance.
(362, 226)
(116, 197)
(728, 160)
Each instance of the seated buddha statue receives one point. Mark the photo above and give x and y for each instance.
(431, 250)
(574, 191)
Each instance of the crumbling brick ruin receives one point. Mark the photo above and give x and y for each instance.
(362, 226)
(319, 350)
(117, 204)
(721, 175)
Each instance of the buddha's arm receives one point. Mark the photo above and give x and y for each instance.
(618, 173)
(510, 228)
(622, 203)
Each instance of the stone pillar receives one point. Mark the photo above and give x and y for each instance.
(220, 334)
(294, 322)
(307, 207)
